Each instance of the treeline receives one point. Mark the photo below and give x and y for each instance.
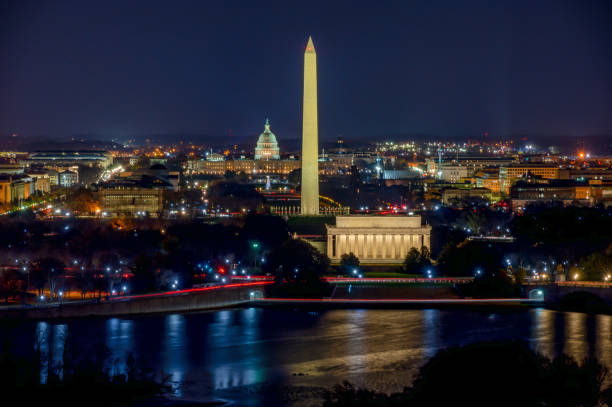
(97, 258)
(490, 374)
(38, 379)
(573, 241)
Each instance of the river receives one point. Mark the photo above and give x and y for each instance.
(246, 355)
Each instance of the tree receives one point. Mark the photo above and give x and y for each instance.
(10, 284)
(234, 197)
(297, 261)
(425, 257)
(144, 274)
(349, 262)
(49, 269)
(596, 266)
(411, 262)
(417, 261)
(295, 177)
(519, 275)
(82, 201)
(466, 374)
(476, 221)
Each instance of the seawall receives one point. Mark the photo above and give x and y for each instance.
(178, 301)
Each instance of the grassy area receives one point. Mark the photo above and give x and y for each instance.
(310, 225)
(371, 284)
(390, 274)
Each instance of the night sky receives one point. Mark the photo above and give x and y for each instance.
(116, 69)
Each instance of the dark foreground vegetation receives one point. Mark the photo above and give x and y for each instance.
(490, 374)
(35, 380)
(505, 373)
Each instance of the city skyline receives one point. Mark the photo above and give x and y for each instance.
(465, 71)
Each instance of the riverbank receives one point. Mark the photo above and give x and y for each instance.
(257, 294)
(397, 303)
(199, 299)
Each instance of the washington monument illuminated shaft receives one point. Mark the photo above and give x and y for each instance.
(310, 135)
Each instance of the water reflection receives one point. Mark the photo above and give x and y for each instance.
(175, 358)
(215, 353)
(356, 349)
(543, 331)
(431, 344)
(118, 339)
(575, 335)
(603, 344)
(41, 345)
(235, 358)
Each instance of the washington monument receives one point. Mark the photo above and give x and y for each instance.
(310, 135)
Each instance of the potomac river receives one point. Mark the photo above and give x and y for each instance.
(255, 356)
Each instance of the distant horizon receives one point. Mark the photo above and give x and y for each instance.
(595, 144)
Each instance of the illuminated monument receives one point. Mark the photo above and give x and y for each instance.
(310, 135)
(376, 239)
(267, 146)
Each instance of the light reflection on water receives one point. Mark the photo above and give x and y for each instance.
(219, 353)
(175, 357)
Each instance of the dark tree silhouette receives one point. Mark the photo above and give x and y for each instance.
(348, 263)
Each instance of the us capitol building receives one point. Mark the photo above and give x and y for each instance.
(266, 160)
(267, 146)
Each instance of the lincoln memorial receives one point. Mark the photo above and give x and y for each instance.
(376, 239)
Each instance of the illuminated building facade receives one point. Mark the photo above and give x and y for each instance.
(538, 190)
(509, 174)
(15, 188)
(272, 167)
(68, 178)
(133, 197)
(66, 158)
(267, 146)
(376, 239)
(459, 196)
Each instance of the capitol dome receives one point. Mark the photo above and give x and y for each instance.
(267, 146)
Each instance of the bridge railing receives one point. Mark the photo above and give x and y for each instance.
(407, 280)
(597, 284)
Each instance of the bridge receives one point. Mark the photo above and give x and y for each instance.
(589, 294)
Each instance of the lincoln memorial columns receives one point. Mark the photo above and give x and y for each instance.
(376, 239)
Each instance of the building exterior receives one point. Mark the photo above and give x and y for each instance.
(15, 188)
(602, 193)
(11, 169)
(459, 196)
(53, 177)
(66, 158)
(333, 164)
(272, 167)
(533, 190)
(376, 239)
(472, 163)
(583, 174)
(133, 197)
(310, 135)
(453, 173)
(267, 146)
(509, 174)
(68, 178)
(488, 178)
(42, 180)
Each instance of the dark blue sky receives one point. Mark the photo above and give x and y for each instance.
(443, 68)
